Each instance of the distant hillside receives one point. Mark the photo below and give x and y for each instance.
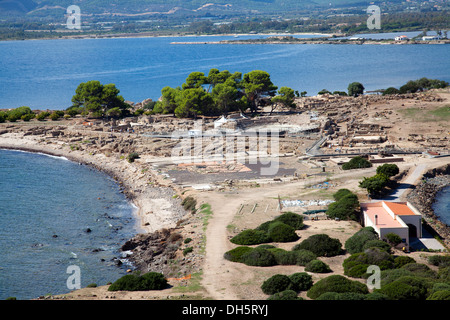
(165, 7)
(17, 6)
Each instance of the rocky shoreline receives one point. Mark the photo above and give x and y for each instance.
(424, 196)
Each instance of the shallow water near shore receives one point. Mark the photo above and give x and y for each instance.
(54, 214)
(441, 206)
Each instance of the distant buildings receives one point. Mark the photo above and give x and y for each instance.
(401, 38)
(386, 217)
(429, 38)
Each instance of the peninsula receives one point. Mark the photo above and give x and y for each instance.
(190, 207)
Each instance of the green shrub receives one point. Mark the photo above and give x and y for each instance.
(440, 295)
(344, 208)
(356, 265)
(357, 163)
(321, 245)
(136, 282)
(187, 250)
(285, 295)
(27, 117)
(259, 257)
(393, 239)
(291, 219)
(444, 274)
(276, 283)
(235, 255)
(336, 283)
(391, 275)
(283, 257)
(189, 203)
(376, 296)
(342, 296)
(303, 256)
(281, 232)
(440, 287)
(420, 270)
(301, 281)
(132, 156)
(43, 115)
(356, 242)
(317, 266)
(377, 244)
(405, 288)
(439, 261)
(3, 116)
(250, 237)
(402, 260)
(338, 195)
(388, 169)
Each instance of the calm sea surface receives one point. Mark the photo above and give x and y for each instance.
(47, 205)
(442, 205)
(45, 73)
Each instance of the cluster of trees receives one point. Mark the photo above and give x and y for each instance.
(26, 114)
(402, 278)
(376, 184)
(221, 92)
(419, 85)
(354, 89)
(97, 100)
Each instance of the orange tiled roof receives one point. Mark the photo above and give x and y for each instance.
(399, 208)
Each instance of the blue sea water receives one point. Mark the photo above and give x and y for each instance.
(47, 205)
(442, 205)
(45, 73)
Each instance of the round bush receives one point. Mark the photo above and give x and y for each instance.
(281, 232)
(291, 219)
(276, 283)
(135, 282)
(235, 254)
(321, 245)
(259, 257)
(405, 288)
(440, 295)
(336, 283)
(420, 269)
(250, 237)
(303, 256)
(317, 266)
(284, 257)
(402, 260)
(356, 242)
(377, 244)
(301, 281)
(285, 295)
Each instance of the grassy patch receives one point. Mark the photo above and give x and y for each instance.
(194, 284)
(420, 115)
